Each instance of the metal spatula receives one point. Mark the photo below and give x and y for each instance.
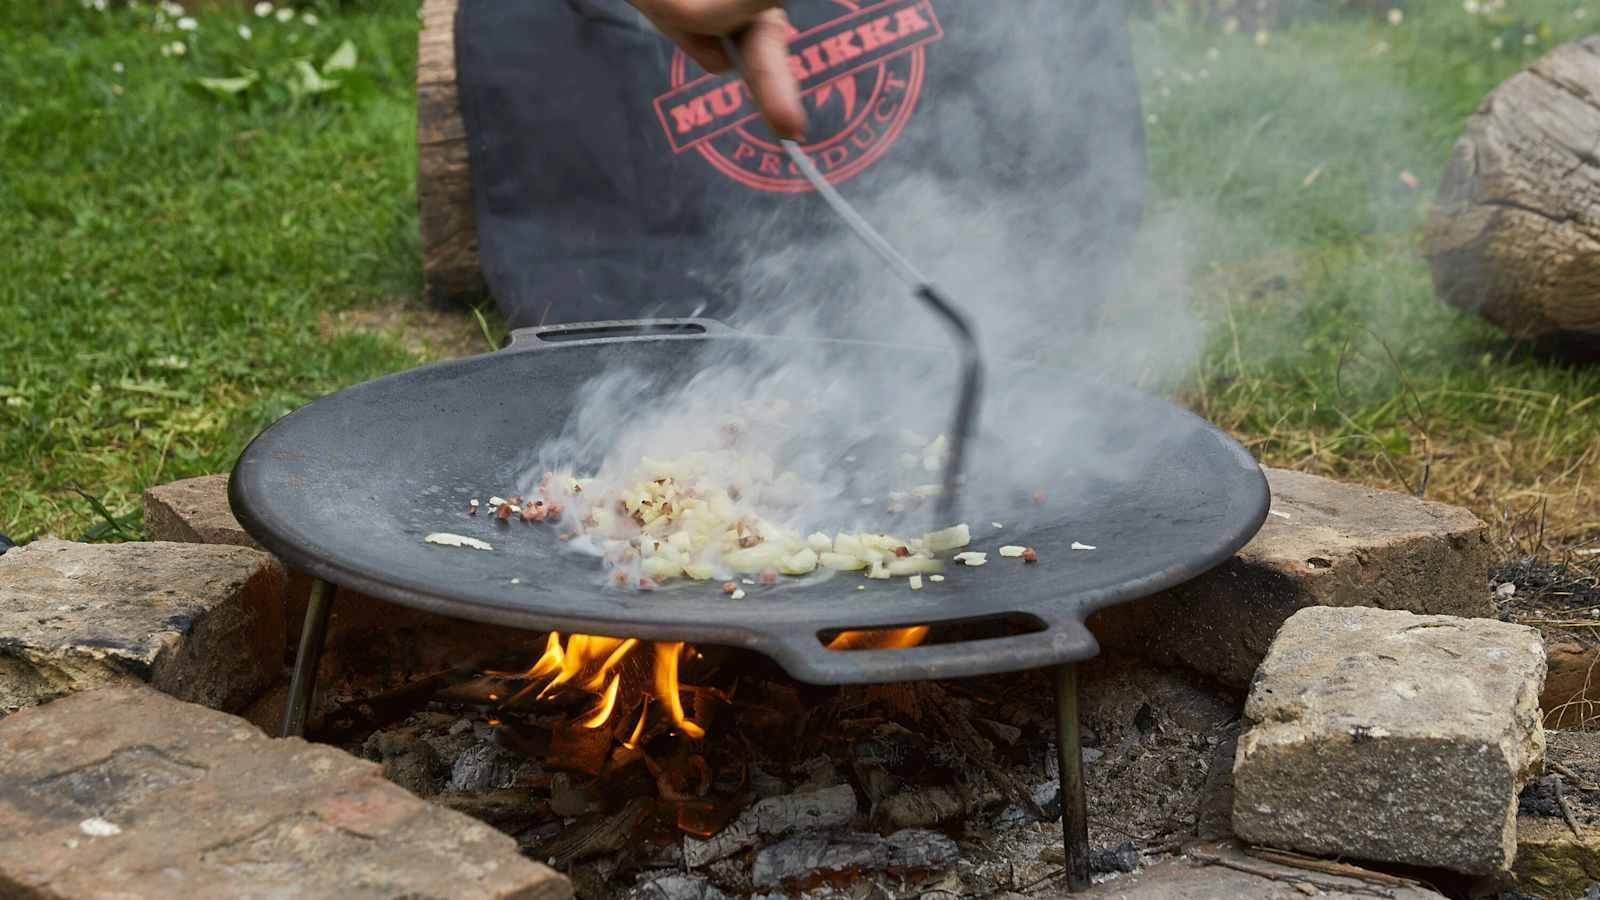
(966, 414)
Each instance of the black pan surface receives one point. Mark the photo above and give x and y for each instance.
(346, 487)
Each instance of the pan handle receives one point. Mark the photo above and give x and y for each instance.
(1064, 640)
(541, 337)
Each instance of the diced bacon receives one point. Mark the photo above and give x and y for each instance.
(769, 577)
(1030, 556)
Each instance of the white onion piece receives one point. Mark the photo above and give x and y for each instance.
(912, 565)
(949, 538)
(444, 539)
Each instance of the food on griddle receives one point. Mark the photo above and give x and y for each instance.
(701, 517)
(444, 539)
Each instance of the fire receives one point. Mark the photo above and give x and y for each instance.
(667, 687)
(591, 663)
(879, 639)
(602, 712)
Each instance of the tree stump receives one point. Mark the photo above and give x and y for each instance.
(1515, 231)
(450, 270)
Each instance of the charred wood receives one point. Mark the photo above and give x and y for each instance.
(815, 857)
(772, 817)
(597, 835)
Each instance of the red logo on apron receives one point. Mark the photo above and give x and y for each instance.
(860, 76)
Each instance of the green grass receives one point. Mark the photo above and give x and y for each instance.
(169, 253)
(1329, 350)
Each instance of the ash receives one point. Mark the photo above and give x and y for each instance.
(930, 789)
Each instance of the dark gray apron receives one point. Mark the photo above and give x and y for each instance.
(615, 179)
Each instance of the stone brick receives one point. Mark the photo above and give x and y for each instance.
(1326, 544)
(129, 793)
(204, 624)
(1571, 685)
(1221, 871)
(194, 511)
(1382, 735)
(371, 644)
(1554, 860)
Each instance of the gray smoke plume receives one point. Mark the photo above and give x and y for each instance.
(1034, 238)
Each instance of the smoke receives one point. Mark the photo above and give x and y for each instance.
(1024, 207)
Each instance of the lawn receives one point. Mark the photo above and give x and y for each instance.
(1308, 160)
(185, 263)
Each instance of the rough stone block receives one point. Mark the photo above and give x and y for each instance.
(1555, 859)
(204, 624)
(371, 644)
(1326, 543)
(1221, 871)
(126, 792)
(194, 511)
(1382, 735)
(1571, 696)
(1555, 862)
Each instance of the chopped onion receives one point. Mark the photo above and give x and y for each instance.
(802, 563)
(949, 538)
(839, 562)
(455, 540)
(913, 565)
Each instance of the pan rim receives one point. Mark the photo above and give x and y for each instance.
(1071, 641)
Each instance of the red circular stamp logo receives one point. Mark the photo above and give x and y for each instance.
(860, 76)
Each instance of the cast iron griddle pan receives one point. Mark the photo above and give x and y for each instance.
(346, 488)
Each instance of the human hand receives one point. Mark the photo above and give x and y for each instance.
(759, 28)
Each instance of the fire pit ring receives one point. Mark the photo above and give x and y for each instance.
(345, 488)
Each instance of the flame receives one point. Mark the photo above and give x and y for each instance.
(551, 660)
(603, 711)
(666, 686)
(616, 657)
(632, 743)
(879, 639)
(589, 663)
(572, 660)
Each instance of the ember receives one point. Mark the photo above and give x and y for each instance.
(605, 762)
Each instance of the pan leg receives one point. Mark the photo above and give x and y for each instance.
(309, 657)
(1074, 802)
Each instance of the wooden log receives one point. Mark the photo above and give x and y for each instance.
(450, 270)
(1515, 232)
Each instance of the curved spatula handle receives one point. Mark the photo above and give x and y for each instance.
(964, 421)
(542, 337)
